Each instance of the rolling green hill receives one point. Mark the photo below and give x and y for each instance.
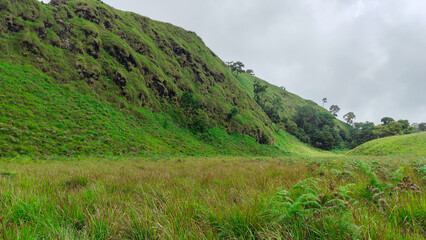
(79, 77)
(409, 145)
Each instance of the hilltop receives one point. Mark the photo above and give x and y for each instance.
(80, 77)
(409, 145)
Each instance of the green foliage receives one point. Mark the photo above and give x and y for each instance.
(349, 117)
(362, 133)
(387, 120)
(406, 127)
(311, 213)
(236, 67)
(189, 103)
(422, 127)
(258, 90)
(250, 71)
(282, 106)
(324, 101)
(317, 128)
(199, 124)
(291, 127)
(334, 109)
(234, 111)
(392, 128)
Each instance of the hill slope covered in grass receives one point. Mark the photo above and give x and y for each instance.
(79, 77)
(410, 145)
(289, 102)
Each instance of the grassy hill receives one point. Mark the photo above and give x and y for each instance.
(79, 78)
(290, 102)
(410, 145)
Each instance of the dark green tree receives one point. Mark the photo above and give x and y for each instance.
(258, 90)
(234, 111)
(387, 120)
(406, 127)
(349, 117)
(316, 128)
(237, 67)
(324, 101)
(291, 127)
(334, 109)
(386, 130)
(189, 103)
(272, 113)
(422, 127)
(361, 133)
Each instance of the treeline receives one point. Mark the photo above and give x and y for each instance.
(362, 132)
(319, 129)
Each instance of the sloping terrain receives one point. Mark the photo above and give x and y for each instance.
(43, 118)
(289, 102)
(409, 145)
(79, 77)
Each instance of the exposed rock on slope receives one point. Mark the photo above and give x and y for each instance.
(132, 58)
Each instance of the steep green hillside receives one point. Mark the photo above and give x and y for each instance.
(410, 145)
(282, 107)
(290, 102)
(79, 77)
(42, 118)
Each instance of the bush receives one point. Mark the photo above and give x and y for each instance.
(291, 127)
(234, 111)
(189, 103)
(199, 124)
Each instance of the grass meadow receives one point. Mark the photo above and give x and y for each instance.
(336, 197)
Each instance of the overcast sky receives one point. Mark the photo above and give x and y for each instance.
(368, 56)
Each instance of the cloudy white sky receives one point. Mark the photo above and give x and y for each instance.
(368, 56)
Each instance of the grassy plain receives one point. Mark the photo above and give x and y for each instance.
(332, 197)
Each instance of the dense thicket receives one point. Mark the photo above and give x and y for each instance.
(317, 128)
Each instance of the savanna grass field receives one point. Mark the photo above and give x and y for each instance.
(294, 197)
